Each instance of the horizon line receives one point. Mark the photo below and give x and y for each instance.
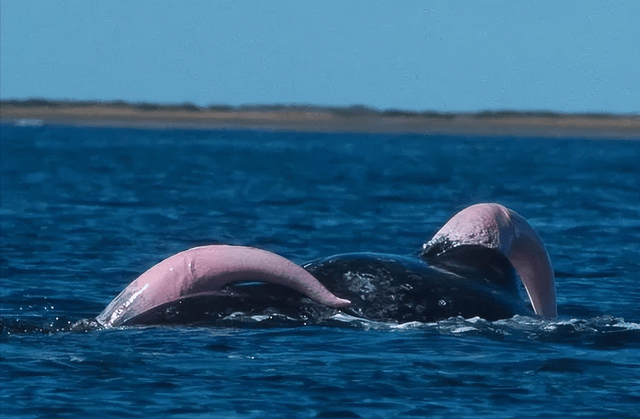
(353, 109)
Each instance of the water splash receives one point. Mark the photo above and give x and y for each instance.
(601, 332)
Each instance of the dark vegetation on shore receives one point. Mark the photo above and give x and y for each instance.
(345, 112)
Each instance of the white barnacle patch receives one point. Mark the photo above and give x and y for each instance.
(360, 282)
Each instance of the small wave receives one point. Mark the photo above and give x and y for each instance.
(602, 331)
(16, 326)
(598, 332)
(29, 122)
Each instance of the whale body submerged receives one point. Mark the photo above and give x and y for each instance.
(487, 261)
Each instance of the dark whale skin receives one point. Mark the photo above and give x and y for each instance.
(465, 281)
(470, 282)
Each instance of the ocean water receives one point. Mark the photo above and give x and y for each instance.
(84, 210)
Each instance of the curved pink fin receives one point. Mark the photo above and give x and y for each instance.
(202, 271)
(497, 227)
(531, 260)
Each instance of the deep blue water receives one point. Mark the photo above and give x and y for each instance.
(83, 211)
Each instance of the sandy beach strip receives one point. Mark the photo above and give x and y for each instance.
(310, 119)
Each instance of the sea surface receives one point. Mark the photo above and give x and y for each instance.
(85, 210)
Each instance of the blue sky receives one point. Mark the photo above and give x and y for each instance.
(447, 56)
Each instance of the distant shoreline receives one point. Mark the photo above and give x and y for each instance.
(356, 119)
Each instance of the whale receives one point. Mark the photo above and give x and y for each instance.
(487, 261)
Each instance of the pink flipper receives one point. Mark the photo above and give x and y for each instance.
(204, 270)
(497, 227)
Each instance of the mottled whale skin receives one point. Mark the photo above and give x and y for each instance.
(487, 262)
(475, 282)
